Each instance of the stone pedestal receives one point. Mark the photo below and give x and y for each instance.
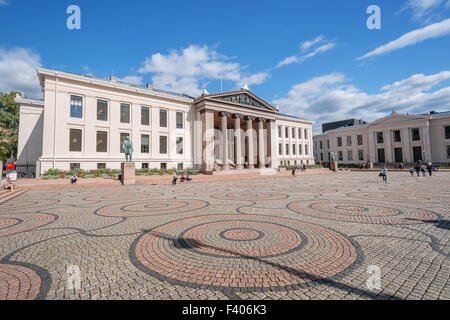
(371, 165)
(334, 166)
(128, 174)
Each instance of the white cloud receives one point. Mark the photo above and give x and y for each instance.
(330, 98)
(18, 71)
(188, 70)
(137, 80)
(424, 10)
(411, 38)
(4, 2)
(325, 46)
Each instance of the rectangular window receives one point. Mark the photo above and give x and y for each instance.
(293, 133)
(145, 166)
(145, 116)
(398, 154)
(102, 110)
(180, 166)
(163, 145)
(380, 138)
(286, 132)
(299, 133)
(145, 143)
(75, 140)
(279, 132)
(75, 166)
(76, 107)
(447, 132)
(341, 157)
(179, 145)
(163, 118)
(361, 155)
(397, 136)
(293, 150)
(124, 113)
(306, 134)
(300, 149)
(350, 155)
(339, 141)
(179, 120)
(102, 141)
(349, 141)
(321, 157)
(321, 145)
(415, 133)
(123, 136)
(163, 166)
(448, 152)
(280, 149)
(287, 149)
(306, 149)
(328, 144)
(101, 166)
(360, 140)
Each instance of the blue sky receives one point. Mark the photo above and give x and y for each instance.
(314, 59)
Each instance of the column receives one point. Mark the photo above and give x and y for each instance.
(207, 119)
(271, 144)
(224, 132)
(372, 147)
(249, 134)
(406, 145)
(426, 144)
(237, 141)
(261, 146)
(388, 136)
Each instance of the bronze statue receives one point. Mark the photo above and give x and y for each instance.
(332, 157)
(128, 148)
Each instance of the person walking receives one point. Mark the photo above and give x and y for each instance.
(418, 169)
(293, 172)
(430, 168)
(384, 172)
(423, 169)
(174, 179)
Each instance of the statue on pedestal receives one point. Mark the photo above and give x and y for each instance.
(332, 157)
(128, 148)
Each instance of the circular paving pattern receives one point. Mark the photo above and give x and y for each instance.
(251, 251)
(151, 208)
(122, 196)
(21, 222)
(362, 212)
(27, 204)
(19, 283)
(250, 196)
(397, 196)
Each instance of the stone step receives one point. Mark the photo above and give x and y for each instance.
(8, 195)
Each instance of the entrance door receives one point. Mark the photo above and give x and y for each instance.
(417, 151)
(381, 158)
(398, 154)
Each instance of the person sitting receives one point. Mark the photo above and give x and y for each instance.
(411, 170)
(175, 178)
(6, 184)
(74, 179)
(182, 178)
(188, 178)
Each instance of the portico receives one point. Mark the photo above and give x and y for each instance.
(237, 131)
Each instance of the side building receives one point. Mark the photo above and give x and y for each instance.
(395, 138)
(82, 122)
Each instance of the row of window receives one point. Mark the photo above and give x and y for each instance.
(294, 150)
(76, 111)
(163, 166)
(293, 130)
(75, 144)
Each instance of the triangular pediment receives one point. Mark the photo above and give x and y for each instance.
(243, 98)
(394, 117)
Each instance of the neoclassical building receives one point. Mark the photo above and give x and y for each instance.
(83, 120)
(395, 138)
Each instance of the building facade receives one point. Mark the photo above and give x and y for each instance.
(83, 120)
(393, 139)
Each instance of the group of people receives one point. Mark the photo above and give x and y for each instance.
(182, 178)
(7, 184)
(302, 168)
(422, 168)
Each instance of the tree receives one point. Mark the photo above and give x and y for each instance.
(9, 125)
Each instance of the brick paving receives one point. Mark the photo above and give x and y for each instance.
(318, 236)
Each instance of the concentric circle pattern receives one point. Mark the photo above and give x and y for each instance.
(362, 212)
(21, 222)
(396, 196)
(18, 283)
(122, 196)
(26, 204)
(250, 196)
(251, 251)
(151, 208)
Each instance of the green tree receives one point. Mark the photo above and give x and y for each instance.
(9, 125)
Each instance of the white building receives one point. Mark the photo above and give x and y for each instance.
(395, 138)
(83, 120)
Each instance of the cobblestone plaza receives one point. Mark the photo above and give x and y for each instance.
(313, 237)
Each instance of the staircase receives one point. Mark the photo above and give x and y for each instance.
(6, 195)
